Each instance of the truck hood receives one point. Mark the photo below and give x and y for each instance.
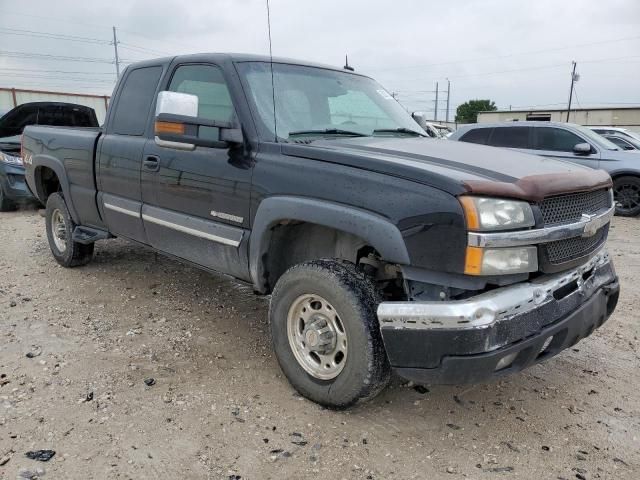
(456, 167)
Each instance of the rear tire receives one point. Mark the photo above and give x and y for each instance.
(325, 333)
(626, 193)
(59, 233)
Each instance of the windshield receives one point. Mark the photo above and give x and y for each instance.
(597, 138)
(313, 101)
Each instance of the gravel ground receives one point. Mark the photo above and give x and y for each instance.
(77, 347)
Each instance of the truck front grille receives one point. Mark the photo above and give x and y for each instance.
(565, 209)
(569, 208)
(562, 251)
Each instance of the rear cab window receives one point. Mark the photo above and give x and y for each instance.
(134, 102)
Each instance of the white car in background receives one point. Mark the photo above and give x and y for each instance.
(434, 130)
(625, 132)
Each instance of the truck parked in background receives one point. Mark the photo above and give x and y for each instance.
(13, 189)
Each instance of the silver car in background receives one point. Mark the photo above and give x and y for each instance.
(565, 141)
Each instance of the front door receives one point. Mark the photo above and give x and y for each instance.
(558, 143)
(196, 203)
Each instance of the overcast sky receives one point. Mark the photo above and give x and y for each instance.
(514, 52)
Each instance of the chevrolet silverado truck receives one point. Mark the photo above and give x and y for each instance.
(382, 250)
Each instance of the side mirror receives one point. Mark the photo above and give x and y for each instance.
(177, 125)
(582, 148)
(420, 118)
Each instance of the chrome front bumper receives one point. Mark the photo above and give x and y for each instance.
(488, 309)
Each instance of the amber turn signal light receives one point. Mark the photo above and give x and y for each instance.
(473, 261)
(169, 127)
(470, 213)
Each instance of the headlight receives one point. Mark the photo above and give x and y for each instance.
(500, 261)
(10, 159)
(490, 214)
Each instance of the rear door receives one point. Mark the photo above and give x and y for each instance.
(196, 202)
(555, 142)
(477, 135)
(516, 137)
(120, 153)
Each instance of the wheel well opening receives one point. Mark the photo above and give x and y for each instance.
(294, 242)
(47, 182)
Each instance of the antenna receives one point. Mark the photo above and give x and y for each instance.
(273, 88)
(346, 64)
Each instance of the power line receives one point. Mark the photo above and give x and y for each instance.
(527, 69)
(48, 85)
(18, 70)
(132, 47)
(531, 52)
(43, 56)
(50, 77)
(52, 36)
(49, 18)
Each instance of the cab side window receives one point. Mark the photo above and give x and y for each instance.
(510, 137)
(477, 135)
(555, 139)
(207, 83)
(134, 104)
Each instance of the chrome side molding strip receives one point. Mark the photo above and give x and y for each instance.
(125, 211)
(195, 226)
(191, 231)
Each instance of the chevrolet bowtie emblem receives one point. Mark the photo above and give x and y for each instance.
(592, 225)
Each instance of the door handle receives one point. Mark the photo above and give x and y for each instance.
(152, 163)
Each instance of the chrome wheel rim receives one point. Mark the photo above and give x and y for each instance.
(317, 336)
(59, 230)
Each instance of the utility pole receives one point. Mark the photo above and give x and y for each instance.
(573, 79)
(435, 116)
(115, 47)
(448, 94)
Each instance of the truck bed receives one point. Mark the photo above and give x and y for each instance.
(71, 150)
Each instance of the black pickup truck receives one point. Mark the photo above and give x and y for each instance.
(381, 248)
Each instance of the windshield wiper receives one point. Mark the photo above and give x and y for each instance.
(399, 130)
(328, 131)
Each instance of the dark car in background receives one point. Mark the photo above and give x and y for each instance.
(566, 141)
(13, 189)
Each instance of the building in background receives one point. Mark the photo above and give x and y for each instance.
(12, 97)
(628, 117)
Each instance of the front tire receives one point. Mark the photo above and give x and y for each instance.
(325, 333)
(59, 233)
(626, 193)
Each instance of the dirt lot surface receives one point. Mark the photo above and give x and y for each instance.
(77, 346)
